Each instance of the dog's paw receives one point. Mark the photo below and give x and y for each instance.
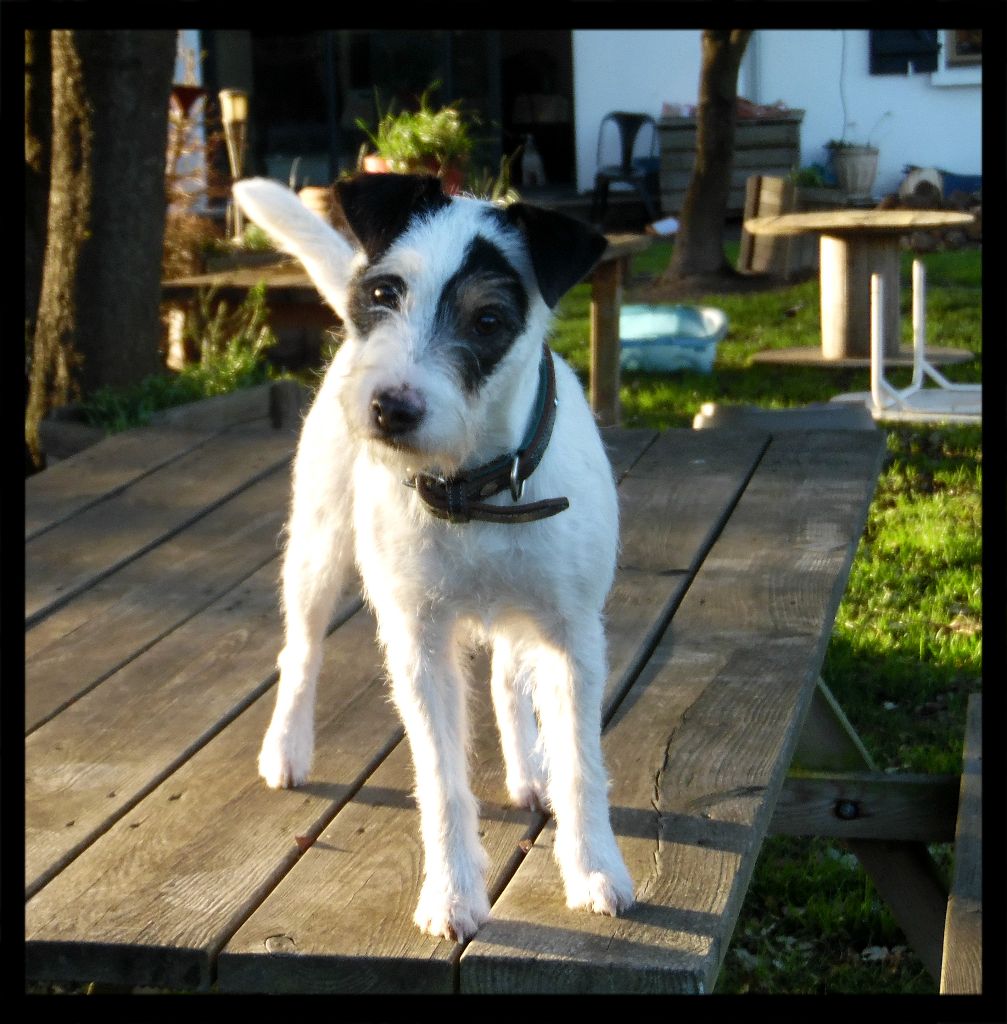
(602, 892)
(284, 763)
(451, 916)
(530, 794)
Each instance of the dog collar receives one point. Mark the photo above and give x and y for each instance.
(460, 499)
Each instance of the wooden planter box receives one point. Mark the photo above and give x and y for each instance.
(785, 256)
(764, 146)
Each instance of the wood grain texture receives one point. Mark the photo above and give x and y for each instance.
(157, 894)
(123, 614)
(100, 471)
(868, 805)
(91, 762)
(673, 504)
(904, 872)
(77, 552)
(698, 748)
(857, 221)
(606, 299)
(962, 962)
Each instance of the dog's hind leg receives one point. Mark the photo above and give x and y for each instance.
(510, 685)
(428, 686)
(569, 679)
(317, 570)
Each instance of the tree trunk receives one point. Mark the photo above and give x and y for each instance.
(55, 356)
(699, 248)
(37, 133)
(98, 318)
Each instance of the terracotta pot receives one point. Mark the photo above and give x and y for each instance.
(374, 164)
(452, 176)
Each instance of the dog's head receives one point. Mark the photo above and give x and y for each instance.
(446, 302)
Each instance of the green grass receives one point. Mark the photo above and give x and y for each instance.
(906, 648)
(232, 344)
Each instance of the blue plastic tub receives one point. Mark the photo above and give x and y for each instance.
(666, 338)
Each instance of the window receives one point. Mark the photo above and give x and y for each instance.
(901, 51)
(963, 48)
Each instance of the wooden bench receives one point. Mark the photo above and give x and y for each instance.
(155, 855)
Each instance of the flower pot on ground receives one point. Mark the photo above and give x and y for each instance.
(856, 168)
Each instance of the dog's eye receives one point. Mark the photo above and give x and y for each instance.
(385, 295)
(486, 323)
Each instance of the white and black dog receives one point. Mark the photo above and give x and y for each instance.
(452, 457)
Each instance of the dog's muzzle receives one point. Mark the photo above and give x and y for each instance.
(461, 498)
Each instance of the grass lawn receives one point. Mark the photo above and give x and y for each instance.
(906, 649)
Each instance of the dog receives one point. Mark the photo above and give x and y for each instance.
(451, 458)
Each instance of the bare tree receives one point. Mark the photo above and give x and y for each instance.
(97, 321)
(699, 248)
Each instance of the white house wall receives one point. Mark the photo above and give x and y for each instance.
(935, 119)
(627, 70)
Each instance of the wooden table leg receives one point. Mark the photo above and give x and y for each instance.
(903, 872)
(846, 265)
(606, 300)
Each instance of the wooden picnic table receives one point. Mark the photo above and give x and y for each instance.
(855, 244)
(293, 301)
(156, 856)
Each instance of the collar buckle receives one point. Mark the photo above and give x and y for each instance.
(516, 483)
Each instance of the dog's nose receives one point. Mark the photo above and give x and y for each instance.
(397, 410)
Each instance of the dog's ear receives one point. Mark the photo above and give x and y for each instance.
(378, 207)
(326, 255)
(562, 249)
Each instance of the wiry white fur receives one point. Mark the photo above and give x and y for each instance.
(534, 590)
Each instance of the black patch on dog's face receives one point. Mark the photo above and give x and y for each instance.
(482, 308)
(373, 295)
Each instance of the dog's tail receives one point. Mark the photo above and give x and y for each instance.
(325, 253)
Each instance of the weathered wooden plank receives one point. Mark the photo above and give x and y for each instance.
(867, 805)
(904, 873)
(350, 901)
(66, 559)
(962, 962)
(154, 897)
(89, 764)
(123, 614)
(101, 471)
(697, 750)
(673, 503)
(624, 447)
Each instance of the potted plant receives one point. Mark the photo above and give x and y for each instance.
(855, 164)
(437, 141)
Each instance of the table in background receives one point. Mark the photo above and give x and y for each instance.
(854, 245)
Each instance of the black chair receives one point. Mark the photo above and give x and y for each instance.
(641, 172)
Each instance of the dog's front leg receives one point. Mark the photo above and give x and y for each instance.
(317, 569)
(428, 686)
(569, 679)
